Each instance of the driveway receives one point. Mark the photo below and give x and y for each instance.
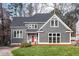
(6, 51)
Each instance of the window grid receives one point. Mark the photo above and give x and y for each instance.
(55, 37)
(18, 34)
(55, 23)
(32, 26)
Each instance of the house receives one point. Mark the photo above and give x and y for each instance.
(40, 29)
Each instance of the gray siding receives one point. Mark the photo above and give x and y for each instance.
(25, 30)
(43, 37)
(18, 40)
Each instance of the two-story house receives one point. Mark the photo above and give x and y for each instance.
(40, 28)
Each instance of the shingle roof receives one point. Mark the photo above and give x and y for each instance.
(36, 18)
(19, 21)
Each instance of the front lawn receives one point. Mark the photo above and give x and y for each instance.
(47, 51)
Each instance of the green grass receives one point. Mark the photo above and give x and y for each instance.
(47, 51)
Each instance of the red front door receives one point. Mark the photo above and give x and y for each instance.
(32, 38)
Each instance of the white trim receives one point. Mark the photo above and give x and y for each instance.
(58, 20)
(53, 36)
(69, 31)
(27, 37)
(40, 31)
(45, 23)
(70, 37)
(34, 22)
(31, 26)
(31, 32)
(54, 23)
(38, 38)
(52, 43)
(19, 33)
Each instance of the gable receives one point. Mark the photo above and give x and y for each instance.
(55, 16)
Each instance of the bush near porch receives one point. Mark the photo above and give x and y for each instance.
(47, 51)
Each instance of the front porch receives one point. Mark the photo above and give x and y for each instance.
(33, 38)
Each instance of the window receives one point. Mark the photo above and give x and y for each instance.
(21, 34)
(14, 33)
(32, 26)
(50, 38)
(18, 34)
(54, 37)
(54, 23)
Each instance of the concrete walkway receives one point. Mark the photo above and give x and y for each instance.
(6, 51)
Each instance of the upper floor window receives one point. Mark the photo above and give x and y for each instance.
(18, 34)
(32, 26)
(54, 23)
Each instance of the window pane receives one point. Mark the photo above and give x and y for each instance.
(21, 35)
(32, 26)
(52, 22)
(58, 34)
(56, 23)
(54, 39)
(54, 34)
(20, 32)
(35, 26)
(58, 39)
(50, 39)
(14, 33)
(17, 33)
(29, 26)
(50, 34)
(26, 25)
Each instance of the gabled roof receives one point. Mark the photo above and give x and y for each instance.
(19, 21)
(58, 20)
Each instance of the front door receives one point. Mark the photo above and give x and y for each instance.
(32, 38)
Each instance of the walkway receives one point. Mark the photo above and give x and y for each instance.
(6, 51)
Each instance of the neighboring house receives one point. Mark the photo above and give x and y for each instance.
(40, 28)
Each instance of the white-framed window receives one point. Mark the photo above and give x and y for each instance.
(18, 33)
(54, 23)
(54, 37)
(32, 26)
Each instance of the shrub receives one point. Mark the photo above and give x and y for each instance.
(25, 44)
(75, 43)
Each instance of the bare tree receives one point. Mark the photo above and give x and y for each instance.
(5, 27)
